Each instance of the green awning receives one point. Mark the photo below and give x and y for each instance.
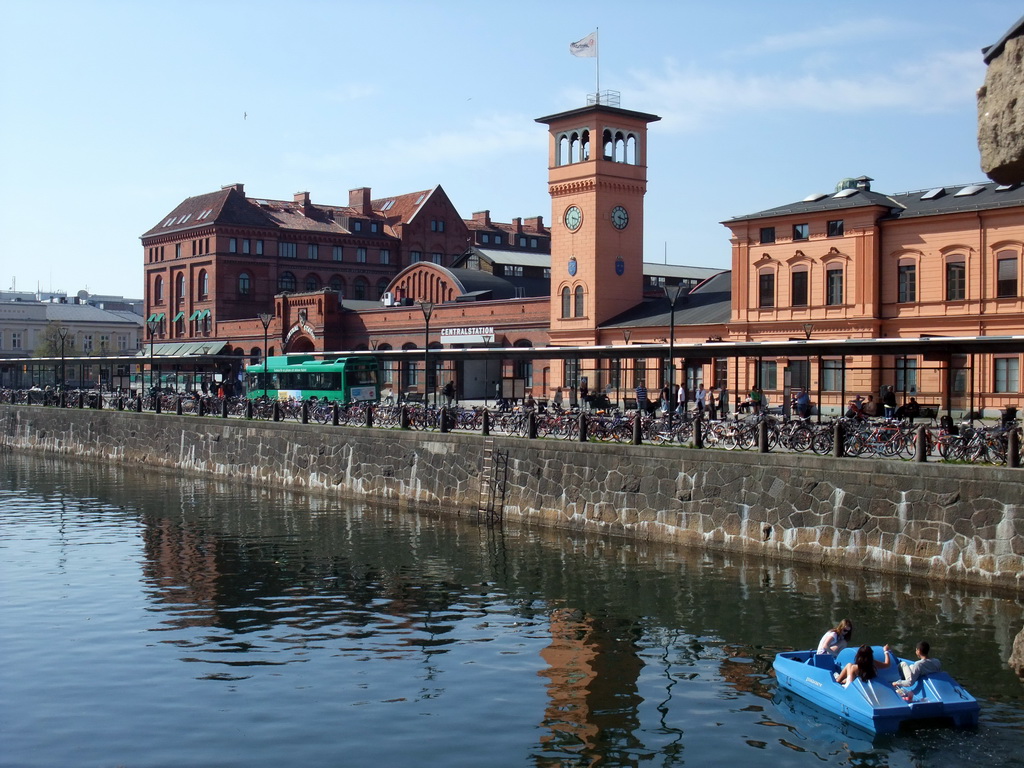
(151, 318)
(178, 317)
(204, 314)
(194, 315)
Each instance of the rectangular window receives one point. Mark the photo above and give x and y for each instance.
(832, 375)
(800, 373)
(907, 283)
(337, 252)
(522, 242)
(415, 256)
(385, 256)
(801, 231)
(834, 287)
(259, 247)
(800, 288)
(177, 250)
(956, 281)
(768, 374)
(835, 228)
(232, 245)
(122, 342)
(361, 255)
(959, 374)
(533, 242)
(498, 239)
(245, 245)
(1007, 375)
(906, 374)
(357, 226)
(312, 251)
(16, 340)
(640, 373)
(436, 257)
(288, 250)
(87, 343)
(572, 373)
(1006, 278)
(513, 270)
(721, 373)
(374, 227)
(485, 238)
(767, 235)
(766, 289)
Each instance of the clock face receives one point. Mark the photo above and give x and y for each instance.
(620, 217)
(573, 217)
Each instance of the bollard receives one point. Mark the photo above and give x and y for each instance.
(1012, 449)
(120, 402)
(335, 414)
(838, 438)
(442, 420)
(276, 411)
(531, 424)
(224, 408)
(305, 412)
(138, 404)
(485, 423)
(762, 436)
(99, 401)
(583, 428)
(921, 444)
(637, 428)
(201, 410)
(157, 404)
(81, 400)
(698, 432)
(403, 417)
(177, 406)
(369, 415)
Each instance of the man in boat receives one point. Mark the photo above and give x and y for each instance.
(925, 665)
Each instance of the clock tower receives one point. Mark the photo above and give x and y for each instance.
(597, 178)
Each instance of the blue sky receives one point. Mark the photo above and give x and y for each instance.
(114, 112)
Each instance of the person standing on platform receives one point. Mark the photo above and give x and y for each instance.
(641, 397)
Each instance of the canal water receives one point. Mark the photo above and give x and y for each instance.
(157, 619)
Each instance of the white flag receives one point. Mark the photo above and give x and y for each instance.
(585, 48)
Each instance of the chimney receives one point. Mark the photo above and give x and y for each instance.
(482, 217)
(302, 198)
(237, 187)
(518, 222)
(537, 223)
(360, 200)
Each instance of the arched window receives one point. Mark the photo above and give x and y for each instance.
(956, 277)
(360, 288)
(312, 283)
(285, 282)
(566, 302)
(799, 286)
(204, 284)
(244, 284)
(158, 290)
(766, 288)
(579, 301)
(382, 287)
(179, 286)
(338, 284)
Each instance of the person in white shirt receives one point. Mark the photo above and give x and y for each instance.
(924, 665)
(837, 638)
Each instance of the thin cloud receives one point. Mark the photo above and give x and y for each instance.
(846, 36)
(691, 99)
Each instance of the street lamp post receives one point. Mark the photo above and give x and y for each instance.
(428, 309)
(152, 325)
(265, 318)
(673, 292)
(63, 333)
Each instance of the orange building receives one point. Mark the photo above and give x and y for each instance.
(856, 263)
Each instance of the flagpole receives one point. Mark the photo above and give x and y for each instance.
(597, 36)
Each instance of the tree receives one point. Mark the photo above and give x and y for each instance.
(49, 344)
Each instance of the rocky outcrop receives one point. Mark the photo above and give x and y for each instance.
(1001, 109)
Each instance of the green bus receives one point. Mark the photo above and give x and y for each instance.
(344, 379)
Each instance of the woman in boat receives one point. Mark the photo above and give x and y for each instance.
(864, 665)
(837, 638)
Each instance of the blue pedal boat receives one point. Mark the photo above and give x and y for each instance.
(874, 706)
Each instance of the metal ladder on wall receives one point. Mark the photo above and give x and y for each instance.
(493, 477)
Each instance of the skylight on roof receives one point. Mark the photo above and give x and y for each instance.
(973, 189)
(169, 222)
(388, 205)
(815, 197)
(848, 192)
(420, 198)
(934, 194)
(1006, 187)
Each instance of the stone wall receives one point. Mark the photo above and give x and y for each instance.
(947, 522)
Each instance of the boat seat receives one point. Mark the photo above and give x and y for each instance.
(822, 661)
